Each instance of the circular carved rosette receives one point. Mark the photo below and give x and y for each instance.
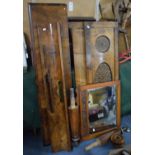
(102, 44)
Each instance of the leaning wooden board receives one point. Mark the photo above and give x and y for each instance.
(95, 50)
(51, 59)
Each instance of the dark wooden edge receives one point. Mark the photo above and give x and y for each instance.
(53, 4)
(118, 116)
(31, 33)
(81, 19)
(116, 62)
(97, 24)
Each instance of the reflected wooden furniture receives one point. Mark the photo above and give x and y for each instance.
(51, 59)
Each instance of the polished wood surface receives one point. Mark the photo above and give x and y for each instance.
(74, 123)
(84, 120)
(87, 58)
(51, 59)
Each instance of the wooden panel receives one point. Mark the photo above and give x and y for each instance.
(51, 57)
(83, 114)
(79, 52)
(87, 58)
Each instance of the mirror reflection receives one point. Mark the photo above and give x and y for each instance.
(102, 107)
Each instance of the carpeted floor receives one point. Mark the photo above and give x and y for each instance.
(32, 145)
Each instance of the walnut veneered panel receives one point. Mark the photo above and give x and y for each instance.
(95, 48)
(51, 59)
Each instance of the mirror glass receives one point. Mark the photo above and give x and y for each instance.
(102, 107)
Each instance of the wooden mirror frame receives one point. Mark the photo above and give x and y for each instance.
(84, 120)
